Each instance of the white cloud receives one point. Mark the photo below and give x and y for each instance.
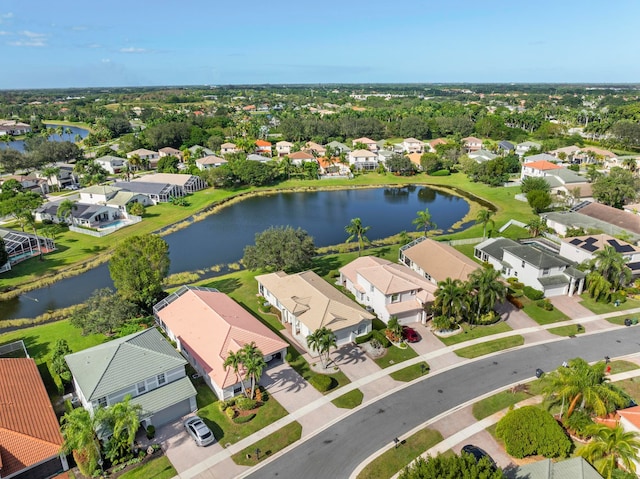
(5, 16)
(4, 33)
(30, 39)
(106, 60)
(30, 34)
(133, 50)
(28, 43)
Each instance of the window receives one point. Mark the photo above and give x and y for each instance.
(142, 387)
(161, 379)
(395, 298)
(522, 265)
(102, 402)
(545, 272)
(371, 289)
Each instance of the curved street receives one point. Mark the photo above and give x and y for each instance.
(339, 449)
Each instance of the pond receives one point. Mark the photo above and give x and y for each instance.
(221, 238)
(74, 130)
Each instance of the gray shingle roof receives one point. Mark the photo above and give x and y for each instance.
(142, 187)
(113, 366)
(534, 256)
(495, 248)
(164, 397)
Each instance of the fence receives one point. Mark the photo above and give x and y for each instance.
(105, 231)
(7, 349)
(512, 222)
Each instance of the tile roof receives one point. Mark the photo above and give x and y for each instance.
(107, 368)
(211, 160)
(165, 178)
(170, 151)
(366, 141)
(29, 429)
(142, 152)
(440, 260)
(362, 153)
(412, 140)
(415, 158)
(210, 324)
(614, 216)
(262, 143)
(575, 468)
(541, 165)
(631, 414)
(228, 145)
(472, 139)
(301, 155)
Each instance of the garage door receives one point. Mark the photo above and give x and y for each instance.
(171, 413)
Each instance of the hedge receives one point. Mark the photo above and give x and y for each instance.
(532, 293)
(515, 301)
(440, 173)
(245, 404)
(243, 419)
(364, 338)
(321, 382)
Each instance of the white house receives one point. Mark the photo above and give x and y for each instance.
(263, 147)
(388, 288)
(283, 148)
(541, 270)
(523, 148)
(371, 145)
(143, 365)
(584, 248)
(228, 148)
(168, 151)
(210, 161)
(363, 159)
(307, 302)
(411, 145)
(300, 157)
(538, 168)
(112, 164)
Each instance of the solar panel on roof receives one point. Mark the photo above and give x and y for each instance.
(590, 248)
(620, 248)
(634, 266)
(590, 240)
(575, 241)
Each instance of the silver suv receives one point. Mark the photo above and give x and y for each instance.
(199, 431)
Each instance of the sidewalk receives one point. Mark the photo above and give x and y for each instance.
(440, 360)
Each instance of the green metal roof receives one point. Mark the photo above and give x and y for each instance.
(165, 396)
(113, 366)
(121, 198)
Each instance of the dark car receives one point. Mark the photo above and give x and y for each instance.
(539, 373)
(410, 334)
(478, 453)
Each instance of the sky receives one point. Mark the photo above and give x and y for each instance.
(49, 44)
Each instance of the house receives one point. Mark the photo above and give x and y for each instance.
(21, 246)
(64, 178)
(592, 154)
(283, 148)
(416, 159)
(198, 151)
(210, 161)
(368, 142)
(188, 183)
(388, 288)
(14, 128)
(482, 155)
(300, 157)
(228, 148)
(112, 164)
(609, 214)
(143, 365)
(584, 248)
(411, 145)
(263, 147)
(338, 147)
(146, 156)
(307, 302)
(630, 418)
(537, 168)
(259, 158)
(436, 261)
(561, 221)
(506, 147)
(523, 148)
(85, 215)
(168, 151)
(332, 167)
(206, 325)
(29, 182)
(433, 144)
(568, 152)
(156, 192)
(471, 143)
(29, 429)
(574, 468)
(363, 159)
(541, 270)
(315, 149)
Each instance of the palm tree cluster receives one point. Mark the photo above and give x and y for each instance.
(457, 300)
(83, 433)
(608, 273)
(322, 340)
(248, 363)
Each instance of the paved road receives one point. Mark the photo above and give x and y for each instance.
(338, 450)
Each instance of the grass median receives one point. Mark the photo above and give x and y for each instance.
(266, 447)
(490, 347)
(475, 332)
(349, 400)
(411, 372)
(159, 468)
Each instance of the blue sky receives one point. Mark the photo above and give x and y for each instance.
(48, 44)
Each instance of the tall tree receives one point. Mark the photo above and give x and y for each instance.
(58, 364)
(536, 226)
(65, 209)
(280, 248)
(123, 419)
(484, 218)
(357, 231)
(137, 268)
(78, 428)
(104, 312)
(488, 289)
(610, 447)
(322, 340)
(423, 221)
(612, 266)
(254, 364)
(616, 188)
(451, 299)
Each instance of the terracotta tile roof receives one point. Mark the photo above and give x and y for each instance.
(440, 260)
(301, 155)
(598, 151)
(542, 165)
(366, 141)
(472, 139)
(631, 414)
(362, 153)
(437, 141)
(29, 429)
(415, 158)
(210, 324)
(262, 143)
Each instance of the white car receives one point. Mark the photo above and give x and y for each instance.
(199, 431)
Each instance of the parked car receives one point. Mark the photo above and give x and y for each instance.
(199, 431)
(478, 453)
(410, 334)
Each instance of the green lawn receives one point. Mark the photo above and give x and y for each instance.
(631, 386)
(349, 400)
(228, 432)
(490, 347)
(269, 445)
(395, 459)
(619, 320)
(540, 315)
(474, 332)
(622, 366)
(159, 468)
(39, 341)
(570, 330)
(411, 372)
(502, 400)
(395, 355)
(601, 308)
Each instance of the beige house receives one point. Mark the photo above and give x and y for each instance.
(436, 261)
(209, 161)
(471, 143)
(283, 148)
(307, 302)
(300, 157)
(228, 148)
(363, 159)
(411, 145)
(315, 149)
(371, 145)
(146, 155)
(168, 151)
(206, 325)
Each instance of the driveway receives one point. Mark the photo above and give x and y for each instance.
(571, 306)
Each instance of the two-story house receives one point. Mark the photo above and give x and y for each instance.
(226, 148)
(263, 147)
(537, 168)
(283, 148)
(523, 148)
(471, 143)
(584, 248)
(541, 270)
(363, 159)
(143, 365)
(112, 164)
(149, 156)
(368, 142)
(411, 145)
(299, 157)
(388, 288)
(307, 302)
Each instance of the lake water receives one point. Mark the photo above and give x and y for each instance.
(221, 238)
(19, 144)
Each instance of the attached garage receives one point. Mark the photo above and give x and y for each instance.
(167, 403)
(171, 413)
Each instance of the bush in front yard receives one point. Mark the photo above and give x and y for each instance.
(230, 412)
(243, 419)
(578, 422)
(381, 337)
(245, 404)
(321, 382)
(532, 293)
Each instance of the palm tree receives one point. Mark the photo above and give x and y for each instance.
(612, 266)
(322, 340)
(357, 231)
(394, 327)
(610, 448)
(59, 130)
(488, 288)
(50, 172)
(68, 131)
(598, 287)
(135, 161)
(584, 384)
(65, 209)
(484, 217)
(254, 363)
(123, 419)
(423, 221)
(537, 226)
(451, 299)
(78, 430)
(285, 166)
(77, 138)
(234, 360)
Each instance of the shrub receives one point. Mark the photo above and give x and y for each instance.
(321, 382)
(440, 173)
(288, 357)
(619, 296)
(548, 306)
(443, 323)
(532, 293)
(258, 394)
(245, 404)
(514, 283)
(151, 432)
(228, 403)
(488, 318)
(529, 431)
(381, 337)
(364, 338)
(515, 301)
(230, 412)
(243, 419)
(578, 422)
